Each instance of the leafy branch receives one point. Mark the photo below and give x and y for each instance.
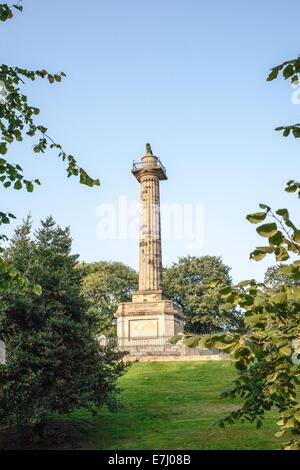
(280, 241)
(7, 12)
(17, 121)
(290, 70)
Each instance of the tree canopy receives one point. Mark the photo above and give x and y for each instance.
(275, 277)
(104, 285)
(187, 283)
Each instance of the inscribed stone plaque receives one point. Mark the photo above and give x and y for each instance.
(143, 327)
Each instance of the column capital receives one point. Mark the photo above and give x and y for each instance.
(149, 164)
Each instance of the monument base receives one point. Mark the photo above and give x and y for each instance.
(149, 315)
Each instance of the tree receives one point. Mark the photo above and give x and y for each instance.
(21, 246)
(187, 283)
(104, 285)
(18, 120)
(54, 365)
(275, 277)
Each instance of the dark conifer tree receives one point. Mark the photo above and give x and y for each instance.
(53, 362)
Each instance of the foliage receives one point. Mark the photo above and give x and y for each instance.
(10, 274)
(275, 277)
(104, 285)
(187, 283)
(290, 70)
(7, 12)
(53, 362)
(267, 355)
(17, 121)
(21, 246)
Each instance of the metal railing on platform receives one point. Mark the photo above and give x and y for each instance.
(159, 344)
(140, 165)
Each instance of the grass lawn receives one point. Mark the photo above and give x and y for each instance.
(171, 405)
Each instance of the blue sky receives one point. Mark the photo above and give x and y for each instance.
(189, 77)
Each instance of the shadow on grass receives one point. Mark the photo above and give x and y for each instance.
(58, 434)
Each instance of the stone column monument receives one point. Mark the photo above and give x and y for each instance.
(149, 314)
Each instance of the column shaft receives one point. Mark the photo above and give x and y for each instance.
(150, 269)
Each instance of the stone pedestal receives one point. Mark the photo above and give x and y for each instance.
(149, 315)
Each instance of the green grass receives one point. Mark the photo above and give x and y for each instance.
(171, 405)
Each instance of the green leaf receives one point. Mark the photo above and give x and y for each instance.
(281, 254)
(259, 253)
(18, 7)
(259, 300)
(3, 148)
(288, 71)
(175, 339)
(37, 290)
(285, 351)
(227, 307)
(191, 342)
(283, 213)
(13, 273)
(42, 129)
(296, 132)
(256, 217)
(18, 185)
(29, 186)
(246, 282)
(295, 79)
(290, 224)
(296, 236)
(263, 206)
(272, 377)
(266, 249)
(291, 188)
(294, 294)
(279, 298)
(277, 238)
(267, 230)
(225, 290)
(273, 74)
